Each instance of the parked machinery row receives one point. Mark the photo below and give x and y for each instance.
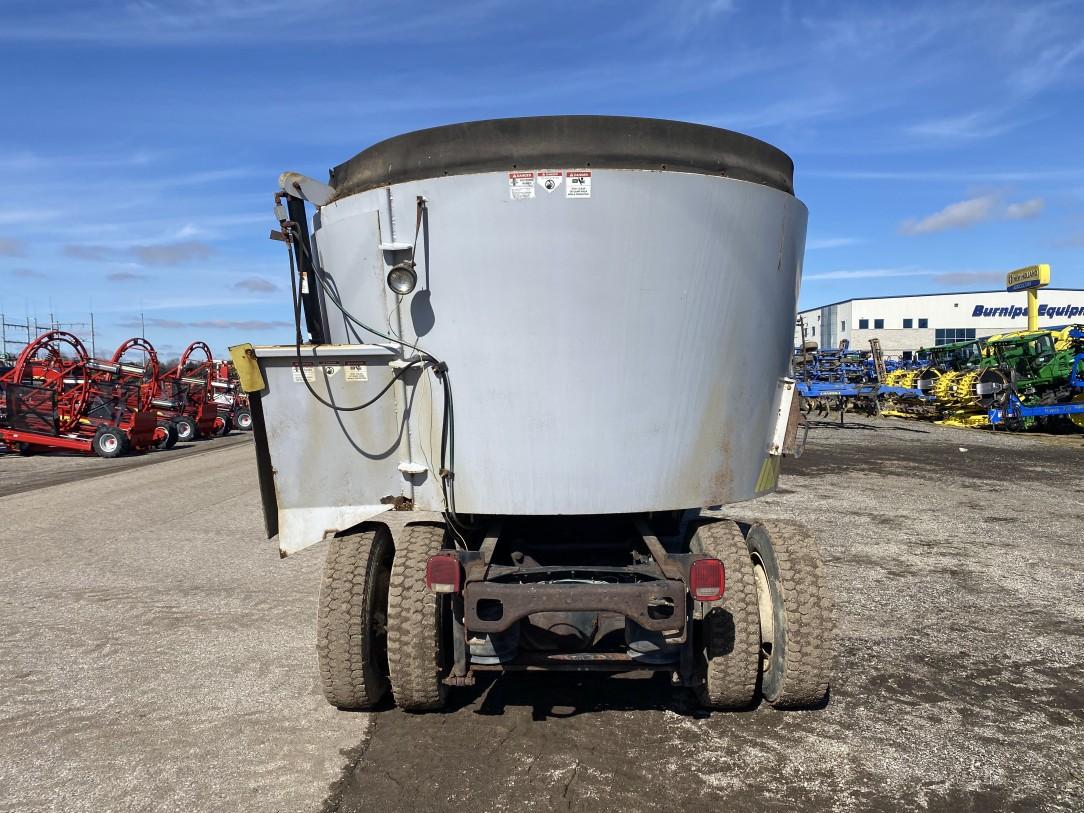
(1021, 380)
(56, 397)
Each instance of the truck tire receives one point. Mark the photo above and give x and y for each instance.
(728, 644)
(796, 615)
(186, 429)
(351, 624)
(416, 661)
(110, 442)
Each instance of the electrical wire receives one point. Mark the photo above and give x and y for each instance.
(439, 368)
(297, 345)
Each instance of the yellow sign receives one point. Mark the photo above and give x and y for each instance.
(1034, 276)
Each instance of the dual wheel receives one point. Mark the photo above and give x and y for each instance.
(771, 634)
(378, 627)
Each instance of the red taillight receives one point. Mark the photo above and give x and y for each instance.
(707, 580)
(443, 574)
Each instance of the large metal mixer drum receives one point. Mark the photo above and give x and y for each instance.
(614, 299)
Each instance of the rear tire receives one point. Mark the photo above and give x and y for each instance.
(728, 639)
(165, 435)
(416, 651)
(110, 442)
(797, 640)
(221, 427)
(352, 622)
(243, 420)
(186, 429)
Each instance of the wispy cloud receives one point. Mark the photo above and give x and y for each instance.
(969, 126)
(954, 278)
(12, 248)
(1024, 210)
(124, 276)
(85, 252)
(199, 22)
(208, 324)
(175, 254)
(967, 213)
(869, 273)
(816, 244)
(257, 285)
(28, 273)
(948, 176)
(1044, 67)
(954, 216)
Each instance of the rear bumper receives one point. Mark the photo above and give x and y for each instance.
(493, 607)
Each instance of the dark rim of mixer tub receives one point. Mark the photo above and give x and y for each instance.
(564, 142)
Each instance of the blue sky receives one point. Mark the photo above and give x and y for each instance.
(937, 145)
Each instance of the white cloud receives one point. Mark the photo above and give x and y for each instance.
(969, 212)
(954, 216)
(1024, 209)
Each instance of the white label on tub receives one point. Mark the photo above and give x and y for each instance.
(550, 179)
(310, 373)
(521, 185)
(357, 372)
(578, 183)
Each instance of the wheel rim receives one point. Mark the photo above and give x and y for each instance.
(109, 443)
(766, 608)
(244, 421)
(183, 431)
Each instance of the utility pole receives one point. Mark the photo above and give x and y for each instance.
(93, 349)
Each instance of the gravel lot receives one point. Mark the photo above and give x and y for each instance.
(156, 655)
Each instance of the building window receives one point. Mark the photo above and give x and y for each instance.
(948, 335)
(923, 323)
(908, 355)
(878, 324)
(814, 330)
(863, 324)
(843, 325)
(908, 323)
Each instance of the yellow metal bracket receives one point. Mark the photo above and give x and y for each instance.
(248, 368)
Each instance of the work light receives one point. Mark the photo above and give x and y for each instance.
(402, 278)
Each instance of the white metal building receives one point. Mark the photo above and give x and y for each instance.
(906, 323)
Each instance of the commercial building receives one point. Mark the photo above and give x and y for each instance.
(906, 323)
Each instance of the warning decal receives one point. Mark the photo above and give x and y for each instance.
(310, 373)
(357, 372)
(521, 185)
(578, 183)
(549, 179)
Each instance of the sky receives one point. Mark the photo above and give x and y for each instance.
(937, 145)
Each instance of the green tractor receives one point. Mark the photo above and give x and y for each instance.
(1042, 367)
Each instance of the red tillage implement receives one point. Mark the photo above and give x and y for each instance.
(57, 397)
(143, 378)
(233, 405)
(185, 395)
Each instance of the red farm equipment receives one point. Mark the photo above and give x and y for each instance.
(232, 403)
(144, 377)
(185, 395)
(57, 397)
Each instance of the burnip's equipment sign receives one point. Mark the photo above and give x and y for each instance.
(1048, 311)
